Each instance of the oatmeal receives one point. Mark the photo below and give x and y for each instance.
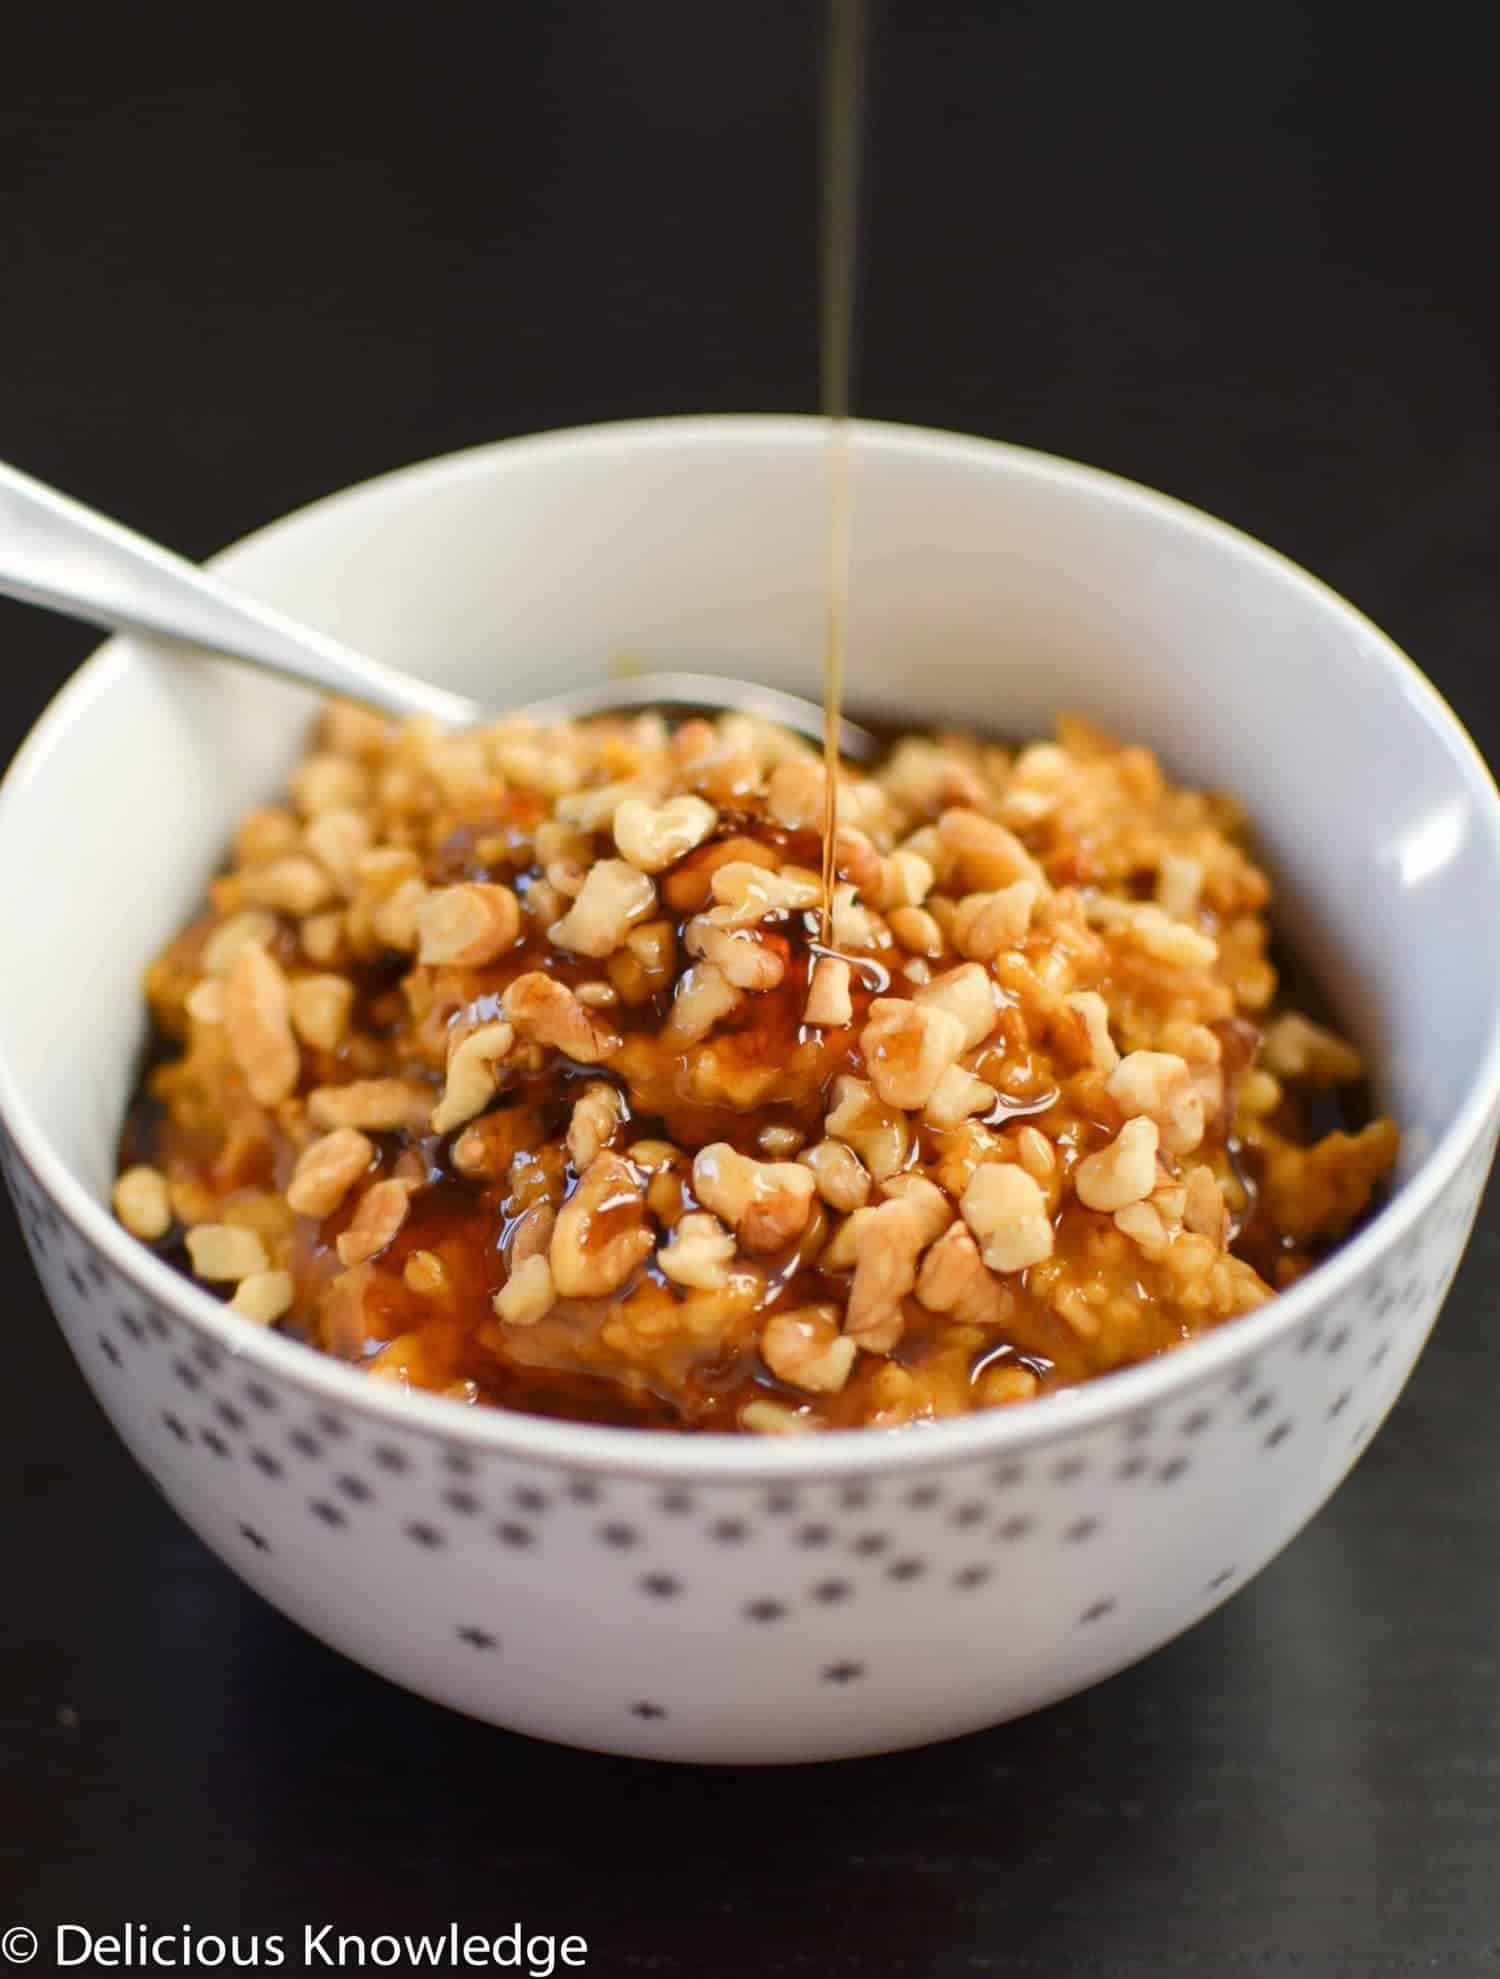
(514, 1065)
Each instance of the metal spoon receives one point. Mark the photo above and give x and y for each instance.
(57, 553)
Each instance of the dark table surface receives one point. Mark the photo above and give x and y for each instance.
(1248, 257)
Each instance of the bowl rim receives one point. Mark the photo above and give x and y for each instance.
(723, 1456)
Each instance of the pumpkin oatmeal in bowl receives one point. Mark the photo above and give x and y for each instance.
(531, 1067)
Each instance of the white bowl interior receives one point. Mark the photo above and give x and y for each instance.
(991, 586)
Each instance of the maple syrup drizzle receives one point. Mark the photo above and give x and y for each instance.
(843, 108)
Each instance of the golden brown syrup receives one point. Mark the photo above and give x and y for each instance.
(843, 111)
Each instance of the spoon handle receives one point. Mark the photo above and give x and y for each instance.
(57, 553)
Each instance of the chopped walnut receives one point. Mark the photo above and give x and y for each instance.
(704, 994)
(468, 925)
(142, 1203)
(954, 1278)
(736, 953)
(986, 923)
(527, 1295)
(907, 1048)
(225, 1253)
(987, 855)
(474, 1062)
(327, 1170)
(614, 896)
(852, 925)
(1179, 882)
(1294, 1047)
(1204, 1208)
(654, 836)
(598, 1113)
(829, 1005)
(601, 1235)
(321, 1008)
(885, 1265)
(840, 1176)
(257, 1022)
(877, 1132)
(764, 1418)
(293, 885)
(749, 893)
(1159, 1085)
(338, 840)
(1007, 1212)
(549, 1013)
(1093, 1012)
(1153, 931)
(264, 1296)
(1124, 1172)
(916, 930)
(239, 931)
(532, 1235)
(698, 1253)
(766, 1203)
(966, 993)
(378, 1106)
(377, 1221)
(804, 1348)
(958, 1095)
(906, 880)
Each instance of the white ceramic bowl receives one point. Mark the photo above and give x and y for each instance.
(720, 1598)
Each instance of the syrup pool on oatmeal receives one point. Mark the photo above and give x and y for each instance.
(512, 1066)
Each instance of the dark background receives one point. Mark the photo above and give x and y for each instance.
(249, 256)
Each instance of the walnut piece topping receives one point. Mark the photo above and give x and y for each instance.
(142, 1203)
(598, 1113)
(1093, 1012)
(225, 1253)
(766, 1203)
(804, 1348)
(704, 994)
(1152, 931)
(294, 885)
(226, 941)
(908, 1047)
(378, 1106)
(699, 1252)
(474, 1062)
(654, 836)
(468, 925)
(549, 1013)
(327, 1170)
(1007, 1212)
(264, 1296)
(829, 1004)
(957, 1096)
(1124, 1172)
(1204, 1209)
(955, 1279)
(987, 855)
(321, 1007)
(966, 993)
(382, 1210)
(736, 953)
(257, 1022)
(614, 896)
(528, 1294)
(877, 1132)
(1179, 882)
(1294, 1047)
(749, 893)
(1159, 1085)
(601, 1234)
(885, 1267)
(986, 923)
(839, 1175)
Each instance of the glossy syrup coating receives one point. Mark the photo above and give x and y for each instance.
(529, 1064)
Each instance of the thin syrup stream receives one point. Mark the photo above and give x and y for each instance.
(843, 113)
